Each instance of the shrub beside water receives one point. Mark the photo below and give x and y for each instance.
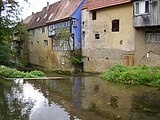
(14, 73)
(133, 75)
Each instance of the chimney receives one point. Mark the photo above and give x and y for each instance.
(47, 6)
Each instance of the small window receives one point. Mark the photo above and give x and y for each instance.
(152, 37)
(94, 15)
(115, 25)
(50, 16)
(137, 8)
(74, 23)
(45, 16)
(45, 43)
(157, 37)
(33, 32)
(149, 37)
(97, 36)
(43, 29)
(146, 6)
(38, 19)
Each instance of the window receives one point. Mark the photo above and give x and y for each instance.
(137, 8)
(97, 36)
(157, 37)
(38, 19)
(43, 29)
(50, 16)
(45, 16)
(149, 37)
(74, 23)
(115, 25)
(141, 7)
(94, 15)
(33, 32)
(45, 43)
(153, 37)
(146, 6)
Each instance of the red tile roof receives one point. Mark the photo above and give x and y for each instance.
(97, 4)
(65, 10)
(39, 19)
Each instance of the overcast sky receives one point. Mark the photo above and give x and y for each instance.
(34, 6)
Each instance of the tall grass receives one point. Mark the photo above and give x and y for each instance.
(133, 75)
(14, 73)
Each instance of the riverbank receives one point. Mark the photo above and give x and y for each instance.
(7, 72)
(139, 75)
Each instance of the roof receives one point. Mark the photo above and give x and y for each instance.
(27, 19)
(97, 4)
(39, 19)
(65, 10)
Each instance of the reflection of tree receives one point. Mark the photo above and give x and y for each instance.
(146, 106)
(11, 102)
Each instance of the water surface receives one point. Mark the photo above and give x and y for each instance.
(88, 98)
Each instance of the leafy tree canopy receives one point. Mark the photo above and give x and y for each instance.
(9, 18)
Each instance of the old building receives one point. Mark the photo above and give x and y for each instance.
(108, 36)
(65, 31)
(40, 50)
(146, 21)
(120, 32)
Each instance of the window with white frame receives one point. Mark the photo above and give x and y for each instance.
(141, 7)
(74, 23)
(152, 37)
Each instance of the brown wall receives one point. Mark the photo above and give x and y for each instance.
(42, 55)
(112, 47)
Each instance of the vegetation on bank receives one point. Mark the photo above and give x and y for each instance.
(14, 73)
(140, 75)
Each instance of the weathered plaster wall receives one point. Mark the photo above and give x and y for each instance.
(146, 53)
(39, 54)
(112, 47)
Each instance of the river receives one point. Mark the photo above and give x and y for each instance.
(84, 98)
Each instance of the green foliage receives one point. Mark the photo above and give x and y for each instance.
(5, 54)
(133, 75)
(76, 59)
(9, 16)
(14, 73)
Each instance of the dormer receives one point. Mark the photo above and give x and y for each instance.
(146, 13)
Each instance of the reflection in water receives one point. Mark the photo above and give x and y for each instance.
(77, 99)
(114, 102)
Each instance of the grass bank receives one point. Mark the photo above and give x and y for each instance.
(14, 73)
(140, 75)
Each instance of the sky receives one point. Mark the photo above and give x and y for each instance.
(34, 6)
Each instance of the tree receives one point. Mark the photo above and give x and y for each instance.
(9, 16)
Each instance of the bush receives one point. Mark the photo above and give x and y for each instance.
(133, 75)
(14, 73)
